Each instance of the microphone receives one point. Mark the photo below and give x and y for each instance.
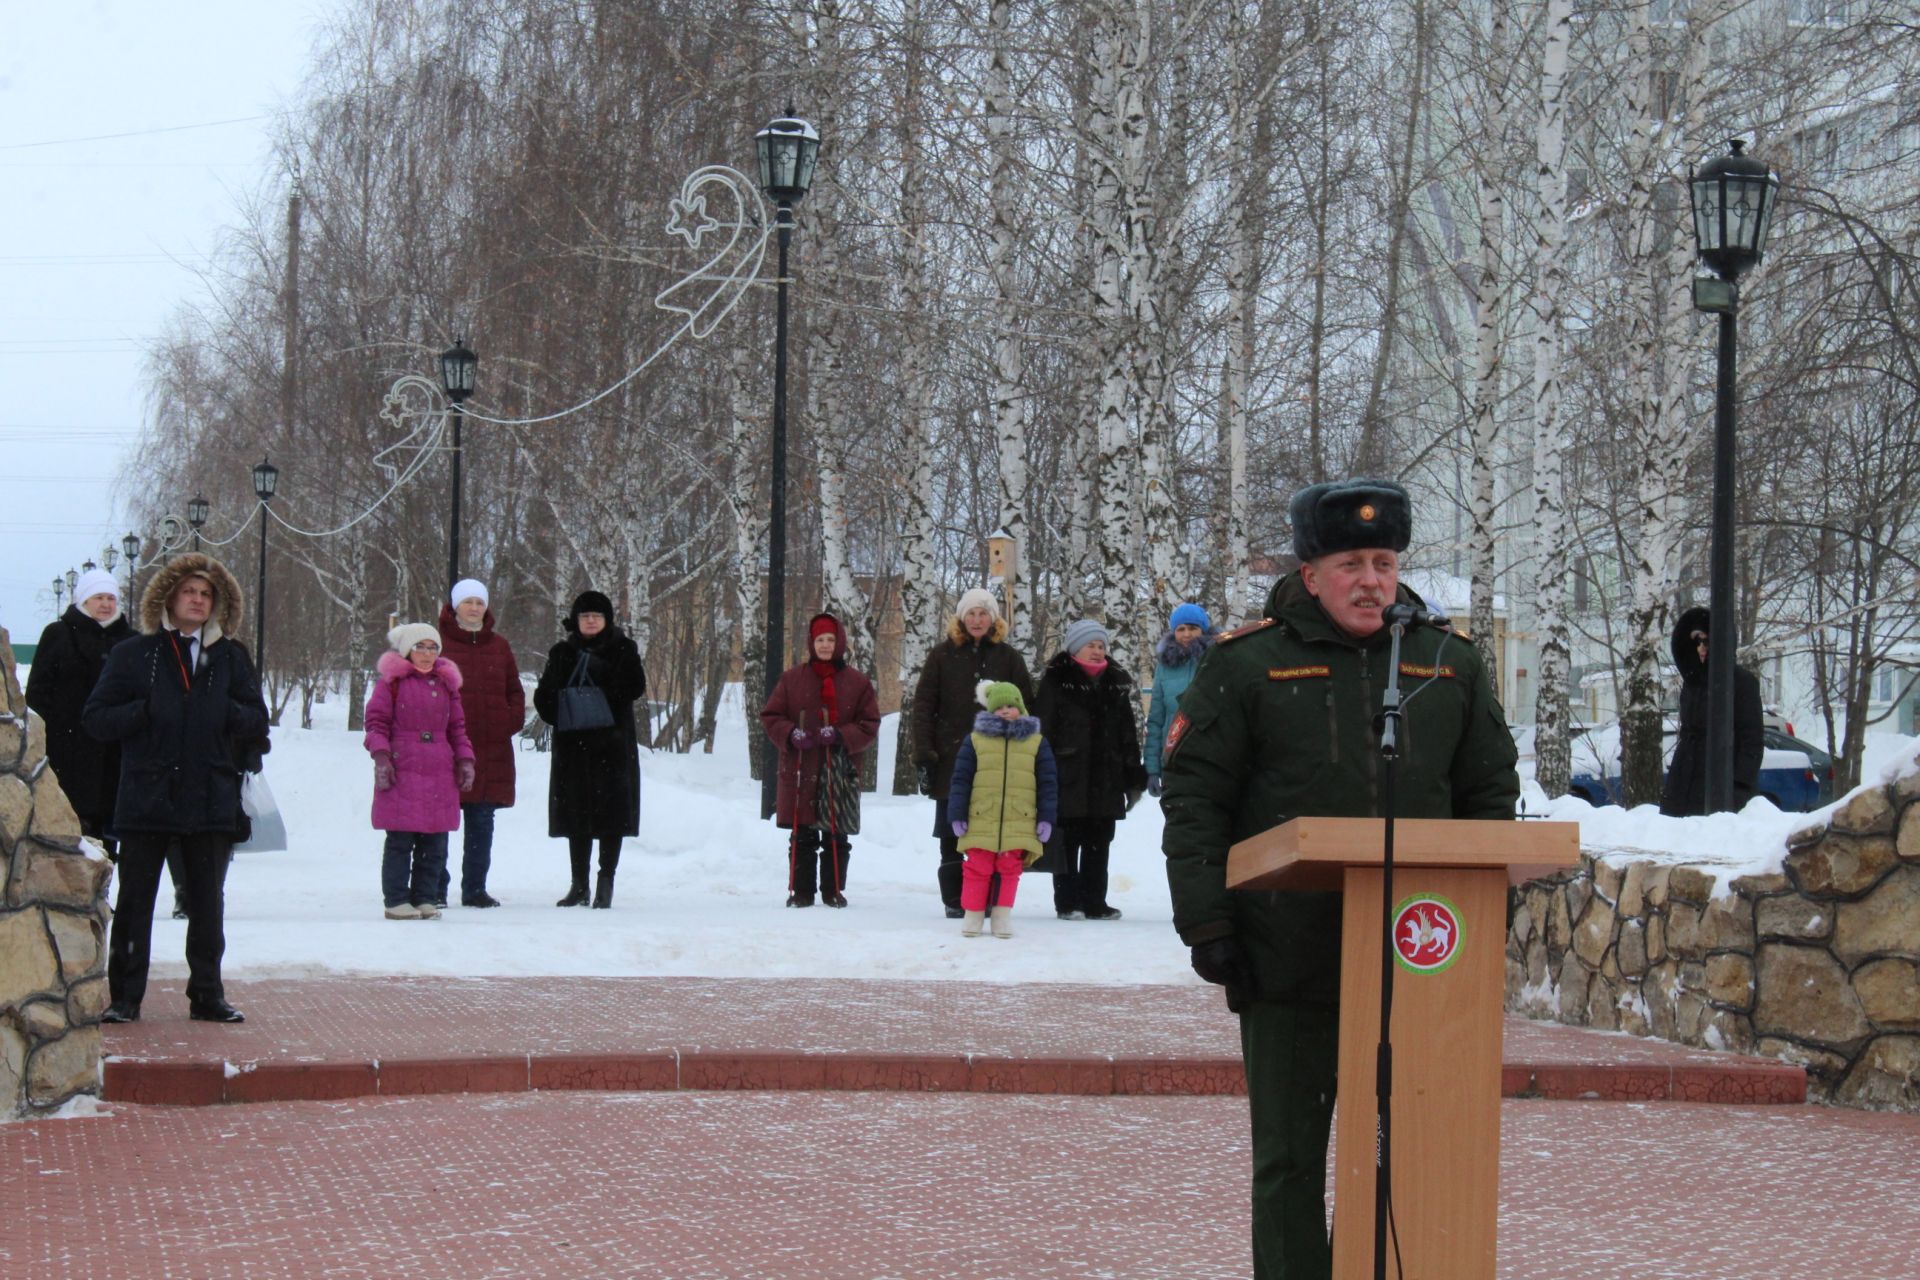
(1412, 615)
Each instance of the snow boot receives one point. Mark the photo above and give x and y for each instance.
(603, 891)
(427, 911)
(1002, 922)
(971, 929)
(576, 896)
(403, 911)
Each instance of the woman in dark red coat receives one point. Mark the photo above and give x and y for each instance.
(496, 707)
(820, 709)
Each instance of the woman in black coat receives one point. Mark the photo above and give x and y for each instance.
(975, 649)
(66, 666)
(1086, 707)
(595, 789)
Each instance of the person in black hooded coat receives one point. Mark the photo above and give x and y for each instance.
(73, 650)
(1086, 707)
(595, 789)
(1685, 795)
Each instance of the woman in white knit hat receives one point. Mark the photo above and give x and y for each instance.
(974, 649)
(66, 666)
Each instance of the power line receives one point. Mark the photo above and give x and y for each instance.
(134, 133)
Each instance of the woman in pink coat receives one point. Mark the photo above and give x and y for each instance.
(422, 761)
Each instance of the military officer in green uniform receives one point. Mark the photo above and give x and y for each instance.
(1279, 724)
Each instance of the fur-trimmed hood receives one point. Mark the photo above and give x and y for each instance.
(392, 666)
(228, 608)
(1174, 654)
(994, 727)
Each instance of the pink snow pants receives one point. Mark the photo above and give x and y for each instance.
(978, 873)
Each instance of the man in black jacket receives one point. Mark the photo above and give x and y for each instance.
(183, 702)
(1685, 795)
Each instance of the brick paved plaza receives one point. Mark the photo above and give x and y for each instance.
(876, 1177)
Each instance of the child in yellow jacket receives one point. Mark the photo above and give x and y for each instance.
(1005, 784)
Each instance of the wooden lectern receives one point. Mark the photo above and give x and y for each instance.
(1448, 1014)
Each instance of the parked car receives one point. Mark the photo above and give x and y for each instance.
(1795, 776)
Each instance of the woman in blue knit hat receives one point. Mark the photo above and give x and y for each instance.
(1189, 635)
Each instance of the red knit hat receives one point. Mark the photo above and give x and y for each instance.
(824, 622)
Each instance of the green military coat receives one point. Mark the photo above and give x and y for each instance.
(1278, 724)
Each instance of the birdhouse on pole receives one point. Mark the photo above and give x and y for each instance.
(1003, 567)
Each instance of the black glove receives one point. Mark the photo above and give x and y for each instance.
(1154, 785)
(923, 776)
(1223, 963)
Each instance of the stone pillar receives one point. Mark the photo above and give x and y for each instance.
(53, 923)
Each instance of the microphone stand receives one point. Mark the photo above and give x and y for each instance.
(1383, 1055)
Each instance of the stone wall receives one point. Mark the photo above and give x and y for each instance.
(53, 923)
(1818, 964)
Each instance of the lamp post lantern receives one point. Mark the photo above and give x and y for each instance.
(457, 368)
(787, 149)
(1733, 202)
(266, 480)
(59, 589)
(109, 557)
(197, 511)
(73, 581)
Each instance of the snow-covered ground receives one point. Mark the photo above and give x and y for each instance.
(702, 891)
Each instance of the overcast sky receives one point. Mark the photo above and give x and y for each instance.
(99, 240)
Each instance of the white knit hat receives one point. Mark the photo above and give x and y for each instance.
(95, 582)
(468, 589)
(977, 598)
(408, 634)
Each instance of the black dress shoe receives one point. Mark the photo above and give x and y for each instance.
(214, 1011)
(482, 899)
(954, 913)
(117, 1013)
(834, 899)
(799, 899)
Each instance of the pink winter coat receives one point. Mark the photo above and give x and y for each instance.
(416, 715)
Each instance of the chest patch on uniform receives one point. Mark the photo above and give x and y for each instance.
(1299, 673)
(1415, 669)
(1175, 731)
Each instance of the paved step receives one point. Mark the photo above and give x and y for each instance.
(332, 1038)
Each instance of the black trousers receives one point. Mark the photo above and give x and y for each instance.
(1290, 1053)
(814, 851)
(1078, 853)
(203, 859)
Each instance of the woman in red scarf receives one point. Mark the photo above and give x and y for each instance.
(822, 714)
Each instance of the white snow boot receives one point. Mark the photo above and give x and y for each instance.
(403, 911)
(1003, 922)
(970, 927)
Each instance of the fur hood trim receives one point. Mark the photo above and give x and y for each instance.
(392, 667)
(227, 606)
(1064, 669)
(957, 632)
(994, 727)
(1174, 654)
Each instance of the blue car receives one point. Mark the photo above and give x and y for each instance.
(1796, 776)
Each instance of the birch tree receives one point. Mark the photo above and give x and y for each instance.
(1490, 180)
(1011, 419)
(1551, 437)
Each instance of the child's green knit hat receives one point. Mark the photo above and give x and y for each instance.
(995, 694)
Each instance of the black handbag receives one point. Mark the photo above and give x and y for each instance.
(583, 704)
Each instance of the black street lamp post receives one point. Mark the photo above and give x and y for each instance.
(1733, 200)
(788, 149)
(457, 366)
(266, 479)
(196, 516)
(131, 545)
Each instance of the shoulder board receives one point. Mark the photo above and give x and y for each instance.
(1260, 624)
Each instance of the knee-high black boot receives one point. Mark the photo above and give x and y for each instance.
(578, 852)
(609, 862)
